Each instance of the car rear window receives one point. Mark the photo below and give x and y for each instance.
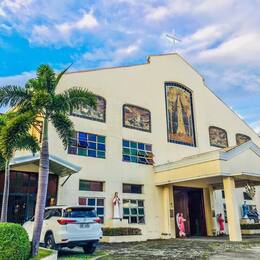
(80, 213)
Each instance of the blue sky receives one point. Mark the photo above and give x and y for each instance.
(220, 38)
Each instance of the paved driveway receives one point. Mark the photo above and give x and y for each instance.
(173, 249)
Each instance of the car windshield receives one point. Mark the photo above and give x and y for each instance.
(80, 213)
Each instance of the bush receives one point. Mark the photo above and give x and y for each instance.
(121, 231)
(14, 242)
(250, 226)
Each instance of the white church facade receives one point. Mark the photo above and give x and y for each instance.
(163, 141)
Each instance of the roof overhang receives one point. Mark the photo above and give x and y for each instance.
(57, 165)
(241, 162)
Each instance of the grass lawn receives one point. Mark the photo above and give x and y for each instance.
(42, 253)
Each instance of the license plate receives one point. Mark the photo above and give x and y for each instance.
(84, 225)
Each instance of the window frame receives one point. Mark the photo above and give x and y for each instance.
(130, 215)
(92, 182)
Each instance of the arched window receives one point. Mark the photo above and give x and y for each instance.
(180, 121)
(136, 118)
(96, 114)
(218, 137)
(241, 138)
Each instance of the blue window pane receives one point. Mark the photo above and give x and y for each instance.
(133, 159)
(125, 143)
(142, 160)
(133, 145)
(92, 153)
(101, 147)
(126, 158)
(82, 136)
(82, 143)
(100, 211)
(92, 146)
(148, 147)
(141, 146)
(101, 154)
(101, 139)
(72, 150)
(73, 142)
(91, 202)
(92, 137)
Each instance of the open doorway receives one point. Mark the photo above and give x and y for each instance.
(190, 202)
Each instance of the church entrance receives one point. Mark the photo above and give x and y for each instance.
(190, 203)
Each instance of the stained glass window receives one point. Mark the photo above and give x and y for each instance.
(241, 138)
(96, 114)
(218, 137)
(180, 122)
(86, 144)
(97, 203)
(133, 211)
(137, 152)
(90, 185)
(132, 188)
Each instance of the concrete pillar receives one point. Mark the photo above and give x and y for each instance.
(166, 211)
(208, 212)
(232, 209)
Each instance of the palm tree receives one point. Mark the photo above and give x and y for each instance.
(14, 135)
(41, 98)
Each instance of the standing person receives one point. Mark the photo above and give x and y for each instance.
(181, 225)
(116, 207)
(221, 224)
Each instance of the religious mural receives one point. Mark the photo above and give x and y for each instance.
(136, 118)
(179, 114)
(241, 138)
(97, 114)
(218, 137)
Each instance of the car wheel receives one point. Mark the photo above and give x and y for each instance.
(49, 241)
(89, 248)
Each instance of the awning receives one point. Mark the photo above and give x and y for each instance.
(241, 162)
(57, 165)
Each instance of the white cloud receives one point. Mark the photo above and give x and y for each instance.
(62, 32)
(18, 80)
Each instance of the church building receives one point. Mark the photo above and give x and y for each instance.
(174, 152)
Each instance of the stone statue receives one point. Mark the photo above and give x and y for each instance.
(221, 224)
(116, 207)
(180, 223)
(245, 210)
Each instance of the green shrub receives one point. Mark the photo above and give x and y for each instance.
(250, 226)
(14, 242)
(121, 231)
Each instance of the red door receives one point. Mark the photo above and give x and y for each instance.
(181, 205)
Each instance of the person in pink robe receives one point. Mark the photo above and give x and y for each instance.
(181, 225)
(221, 224)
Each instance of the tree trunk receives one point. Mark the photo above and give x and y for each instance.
(42, 189)
(5, 193)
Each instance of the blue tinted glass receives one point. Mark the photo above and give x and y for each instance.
(133, 145)
(83, 143)
(101, 154)
(101, 147)
(141, 146)
(142, 160)
(92, 137)
(72, 150)
(148, 147)
(92, 146)
(91, 202)
(82, 136)
(73, 142)
(133, 159)
(92, 153)
(100, 211)
(126, 158)
(125, 143)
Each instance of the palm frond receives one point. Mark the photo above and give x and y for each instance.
(64, 127)
(78, 98)
(27, 142)
(13, 95)
(15, 128)
(61, 74)
(2, 162)
(46, 78)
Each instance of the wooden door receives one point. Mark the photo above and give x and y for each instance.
(181, 205)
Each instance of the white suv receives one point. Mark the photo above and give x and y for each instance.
(65, 226)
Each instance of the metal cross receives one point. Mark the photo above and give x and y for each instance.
(173, 39)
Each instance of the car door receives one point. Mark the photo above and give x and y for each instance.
(46, 223)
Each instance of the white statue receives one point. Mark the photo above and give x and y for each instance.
(116, 207)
